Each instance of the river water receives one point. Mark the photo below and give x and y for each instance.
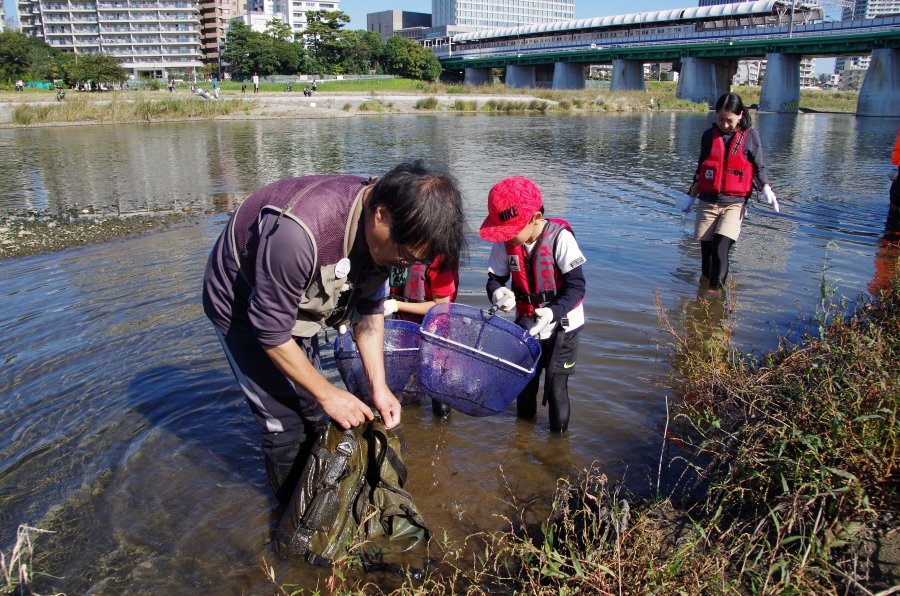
(123, 430)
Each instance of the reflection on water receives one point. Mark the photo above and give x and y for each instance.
(122, 429)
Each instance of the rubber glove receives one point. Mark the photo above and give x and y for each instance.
(542, 318)
(771, 199)
(504, 299)
(893, 174)
(390, 307)
(687, 204)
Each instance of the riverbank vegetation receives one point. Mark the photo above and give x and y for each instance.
(789, 483)
(88, 109)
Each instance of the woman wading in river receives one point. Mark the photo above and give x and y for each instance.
(731, 164)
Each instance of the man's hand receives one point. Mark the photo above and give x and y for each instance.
(344, 408)
(387, 405)
(390, 307)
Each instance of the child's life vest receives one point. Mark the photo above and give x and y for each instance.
(726, 173)
(536, 278)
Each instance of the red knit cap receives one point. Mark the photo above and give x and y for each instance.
(511, 204)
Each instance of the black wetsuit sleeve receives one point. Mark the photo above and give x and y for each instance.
(753, 150)
(572, 293)
(494, 283)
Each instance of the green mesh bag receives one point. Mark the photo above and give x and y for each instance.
(351, 492)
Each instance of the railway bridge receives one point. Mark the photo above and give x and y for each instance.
(705, 42)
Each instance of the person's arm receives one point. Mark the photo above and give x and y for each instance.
(754, 151)
(442, 286)
(569, 260)
(370, 342)
(498, 269)
(342, 406)
(705, 148)
(284, 263)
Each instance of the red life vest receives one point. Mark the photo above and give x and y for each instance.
(413, 288)
(535, 277)
(730, 174)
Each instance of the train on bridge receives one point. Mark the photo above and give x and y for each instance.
(666, 26)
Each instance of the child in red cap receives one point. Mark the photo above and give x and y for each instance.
(545, 264)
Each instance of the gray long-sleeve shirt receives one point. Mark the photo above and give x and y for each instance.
(753, 152)
(285, 263)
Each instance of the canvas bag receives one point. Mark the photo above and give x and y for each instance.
(352, 489)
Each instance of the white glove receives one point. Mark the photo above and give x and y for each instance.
(504, 299)
(893, 173)
(770, 197)
(687, 204)
(390, 307)
(542, 318)
(342, 329)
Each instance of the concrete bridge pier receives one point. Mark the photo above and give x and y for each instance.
(781, 85)
(478, 76)
(568, 75)
(725, 71)
(627, 75)
(697, 81)
(880, 93)
(519, 77)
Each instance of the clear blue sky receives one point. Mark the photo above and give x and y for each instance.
(358, 9)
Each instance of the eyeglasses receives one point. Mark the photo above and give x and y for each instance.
(405, 260)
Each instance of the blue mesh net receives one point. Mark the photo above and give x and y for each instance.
(401, 356)
(474, 362)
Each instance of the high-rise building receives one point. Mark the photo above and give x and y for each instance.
(158, 38)
(491, 14)
(864, 9)
(387, 22)
(215, 16)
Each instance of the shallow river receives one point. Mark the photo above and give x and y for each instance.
(123, 430)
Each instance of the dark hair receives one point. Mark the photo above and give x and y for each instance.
(731, 102)
(426, 211)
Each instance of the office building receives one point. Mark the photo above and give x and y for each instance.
(491, 14)
(388, 22)
(215, 16)
(158, 38)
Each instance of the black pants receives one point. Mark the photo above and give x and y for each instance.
(558, 361)
(714, 259)
(290, 416)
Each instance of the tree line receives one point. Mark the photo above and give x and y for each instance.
(32, 59)
(324, 47)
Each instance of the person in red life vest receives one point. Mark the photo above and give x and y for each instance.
(731, 164)
(303, 254)
(417, 289)
(544, 262)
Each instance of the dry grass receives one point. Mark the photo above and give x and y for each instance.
(82, 109)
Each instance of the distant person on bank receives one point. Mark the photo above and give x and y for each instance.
(731, 164)
(544, 262)
(255, 83)
(303, 254)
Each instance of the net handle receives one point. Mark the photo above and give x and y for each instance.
(469, 349)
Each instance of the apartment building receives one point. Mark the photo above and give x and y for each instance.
(215, 15)
(158, 38)
(863, 9)
(292, 12)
